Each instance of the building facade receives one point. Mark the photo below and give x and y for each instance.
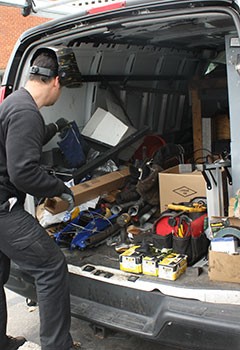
(12, 25)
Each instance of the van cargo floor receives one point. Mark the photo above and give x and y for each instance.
(104, 256)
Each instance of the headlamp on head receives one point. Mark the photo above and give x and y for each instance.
(42, 71)
(68, 72)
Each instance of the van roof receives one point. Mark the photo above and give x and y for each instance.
(203, 30)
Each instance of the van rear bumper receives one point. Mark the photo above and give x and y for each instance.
(185, 323)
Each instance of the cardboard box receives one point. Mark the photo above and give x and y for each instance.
(226, 221)
(177, 187)
(233, 221)
(172, 266)
(231, 207)
(131, 260)
(150, 263)
(224, 267)
(217, 223)
(224, 244)
(105, 127)
(88, 190)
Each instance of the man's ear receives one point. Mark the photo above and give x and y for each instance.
(56, 81)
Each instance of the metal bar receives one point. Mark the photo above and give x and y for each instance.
(213, 178)
(208, 182)
(229, 176)
(125, 78)
(87, 168)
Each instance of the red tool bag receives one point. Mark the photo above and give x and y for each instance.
(184, 232)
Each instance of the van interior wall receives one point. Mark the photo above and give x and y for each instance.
(160, 100)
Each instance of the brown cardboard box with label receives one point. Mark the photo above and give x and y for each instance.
(223, 267)
(176, 186)
(88, 190)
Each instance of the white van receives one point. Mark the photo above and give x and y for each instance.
(172, 68)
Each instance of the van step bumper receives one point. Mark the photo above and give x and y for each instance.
(187, 324)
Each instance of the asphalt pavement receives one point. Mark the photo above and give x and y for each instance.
(24, 320)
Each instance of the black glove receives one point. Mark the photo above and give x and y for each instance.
(61, 124)
(68, 196)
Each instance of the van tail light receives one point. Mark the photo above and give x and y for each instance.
(109, 7)
(3, 90)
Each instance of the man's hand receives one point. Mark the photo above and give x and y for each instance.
(61, 124)
(68, 196)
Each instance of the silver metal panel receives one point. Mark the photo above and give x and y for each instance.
(232, 52)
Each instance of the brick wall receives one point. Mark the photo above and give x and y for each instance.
(12, 24)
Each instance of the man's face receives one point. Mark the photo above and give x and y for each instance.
(55, 91)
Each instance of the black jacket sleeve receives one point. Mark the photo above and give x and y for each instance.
(50, 131)
(25, 137)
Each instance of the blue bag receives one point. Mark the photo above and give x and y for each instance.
(72, 145)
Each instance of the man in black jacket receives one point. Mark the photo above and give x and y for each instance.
(22, 239)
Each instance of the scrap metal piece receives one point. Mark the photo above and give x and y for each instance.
(89, 167)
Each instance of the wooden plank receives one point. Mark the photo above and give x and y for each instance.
(197, 125)
(207, 83)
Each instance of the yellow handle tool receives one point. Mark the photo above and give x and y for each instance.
(194, 208)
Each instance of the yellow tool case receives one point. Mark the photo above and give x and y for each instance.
(172, 266)
(131, 260)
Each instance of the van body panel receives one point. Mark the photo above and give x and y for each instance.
(146, 61)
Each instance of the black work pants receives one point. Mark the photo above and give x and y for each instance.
(26, 243)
